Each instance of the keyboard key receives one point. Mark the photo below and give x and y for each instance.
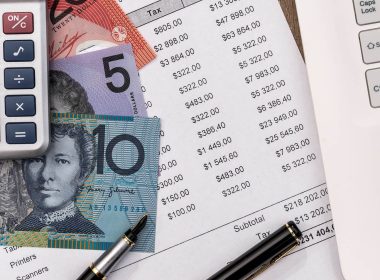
(20, 105)
(18, 50)
(370, 44)
(19, 78)
(373, 83)
(367, 11)
(21, 133)
(18, 23)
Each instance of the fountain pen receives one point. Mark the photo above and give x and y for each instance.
(262, 255)
(100, 269)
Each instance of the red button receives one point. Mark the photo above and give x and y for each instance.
(18, 23)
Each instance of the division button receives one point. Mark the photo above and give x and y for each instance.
(18, 50)
(19, 78)
(21, 133)
(20, 105)
(18, 23)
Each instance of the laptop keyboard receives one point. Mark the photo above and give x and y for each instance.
(368, 12)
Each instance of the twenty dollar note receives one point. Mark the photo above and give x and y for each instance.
(78, 25)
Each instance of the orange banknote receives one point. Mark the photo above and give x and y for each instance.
(76, 26)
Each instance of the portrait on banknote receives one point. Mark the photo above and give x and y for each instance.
(67, 95)
(54, 180)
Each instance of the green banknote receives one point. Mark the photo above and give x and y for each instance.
(98, 177)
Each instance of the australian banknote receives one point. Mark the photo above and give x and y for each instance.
(104, 82)
(98, 177)
(77, 85)
(75, 26)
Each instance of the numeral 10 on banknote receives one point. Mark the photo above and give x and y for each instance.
(106, 152)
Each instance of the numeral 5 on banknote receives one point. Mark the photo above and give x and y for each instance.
(78, 25)
(104, 82)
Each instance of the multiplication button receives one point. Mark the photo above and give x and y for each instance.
(18, 50)
(21, 133)
(20, 106)
(19, 78)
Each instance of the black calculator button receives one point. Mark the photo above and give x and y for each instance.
(21, 133)
(18, 50)
(19, 78)
(20, 106)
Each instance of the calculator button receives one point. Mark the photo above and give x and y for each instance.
(19, 78)
(18, 23)
(373, 83)
(21, 133)
(367, 11)
(18, 50)
(20, 106)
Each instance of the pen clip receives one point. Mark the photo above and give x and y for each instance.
(270, 263)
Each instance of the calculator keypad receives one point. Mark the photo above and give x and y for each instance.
(24, 75)
(19, 78)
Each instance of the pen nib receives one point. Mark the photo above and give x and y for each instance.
(140, 225)
(133, 232)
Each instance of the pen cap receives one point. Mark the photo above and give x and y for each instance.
(262, 255)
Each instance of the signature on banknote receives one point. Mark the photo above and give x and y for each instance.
(111, 190)
(58, 49)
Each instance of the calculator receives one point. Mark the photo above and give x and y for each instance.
(24, 109)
